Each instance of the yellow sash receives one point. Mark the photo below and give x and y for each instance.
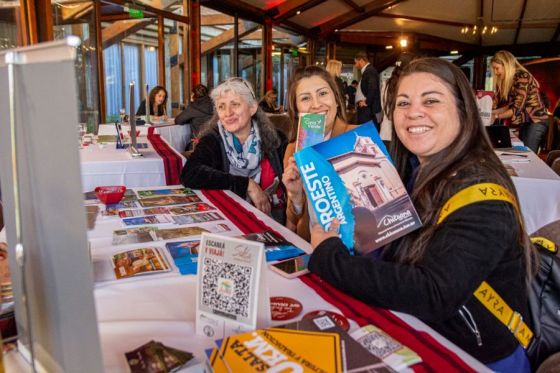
(485, 293)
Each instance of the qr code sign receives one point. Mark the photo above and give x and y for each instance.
(226, 287)
(379, 345)
(324, 323)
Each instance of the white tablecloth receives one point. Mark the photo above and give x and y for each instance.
(176, 135)
(162, 307)
(538, 188)
(105, 165)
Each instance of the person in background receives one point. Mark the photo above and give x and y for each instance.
(368, 98)
(440, 148)
(388, 87)
(198, 112)
(311, 90)
(351, 94)
(158, 104)
(239, 150)
(334, 67)
(518, 99)
(268, 102)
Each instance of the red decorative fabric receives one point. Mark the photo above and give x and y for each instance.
(172, 162)
(435, 356)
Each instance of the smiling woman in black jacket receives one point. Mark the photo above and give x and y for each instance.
(433, 272)
(239, 150)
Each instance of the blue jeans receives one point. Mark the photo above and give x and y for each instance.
(517, 362)
(532, 134)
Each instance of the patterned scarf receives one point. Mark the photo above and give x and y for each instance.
(244, 159)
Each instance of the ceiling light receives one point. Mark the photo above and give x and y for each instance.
(403, 42)
(454, 52)
(388, 47)
(479, 28)
(298, 12)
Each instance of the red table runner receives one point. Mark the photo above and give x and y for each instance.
(172, 162)
(435, 356)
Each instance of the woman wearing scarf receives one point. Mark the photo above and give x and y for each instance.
(239, 150)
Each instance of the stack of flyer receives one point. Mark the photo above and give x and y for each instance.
(352, 178)
(309, 345)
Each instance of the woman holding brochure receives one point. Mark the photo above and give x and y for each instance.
(437, 272)
(239, 150)
(311, 90)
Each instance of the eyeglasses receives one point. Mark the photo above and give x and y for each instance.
(236, 79)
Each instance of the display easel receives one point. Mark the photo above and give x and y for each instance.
(43, 209)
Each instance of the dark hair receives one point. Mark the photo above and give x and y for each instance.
(271, 91)
(470, 159)
(199, 91)
(152, 98)
(361, 55)
(354, 82)
(308, 72)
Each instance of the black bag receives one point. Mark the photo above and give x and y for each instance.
(544, 306)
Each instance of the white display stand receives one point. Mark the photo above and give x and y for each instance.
(43, 208)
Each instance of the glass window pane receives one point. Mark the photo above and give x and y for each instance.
(131, 73)
(78, 19)
(113, 82)
(150, 66)
(173, 39)
(9, 25)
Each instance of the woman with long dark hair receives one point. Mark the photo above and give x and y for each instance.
(440, 148)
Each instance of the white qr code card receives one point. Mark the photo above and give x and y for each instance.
(232, 295)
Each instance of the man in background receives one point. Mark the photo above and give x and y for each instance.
(368, 98)
(351, 92)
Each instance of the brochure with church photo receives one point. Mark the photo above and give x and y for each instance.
(352, 178)
(311, 130)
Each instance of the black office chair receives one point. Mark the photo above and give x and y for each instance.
(556, 166)
(552, 156)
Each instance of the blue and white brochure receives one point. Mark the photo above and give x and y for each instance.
(352, 178)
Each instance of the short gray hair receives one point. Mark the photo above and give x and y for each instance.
(238, 86)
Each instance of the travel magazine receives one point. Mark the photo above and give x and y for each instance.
(352, 178)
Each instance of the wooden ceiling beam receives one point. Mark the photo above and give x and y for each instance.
(292, 26)
(354, 6)
(242, 9)
(290, 8)
(116, 32)
(349, 18)
(77, 11)
(216, 20)
(427, 20)
(556, 34)
(423, 41)
(520, 22)
(226, 37)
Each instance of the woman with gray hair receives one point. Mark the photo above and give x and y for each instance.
(239, 150)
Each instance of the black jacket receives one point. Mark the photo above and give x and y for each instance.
(475, 243)
(142, 110)
(208, 166)
(196, 114)
(369, 84)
